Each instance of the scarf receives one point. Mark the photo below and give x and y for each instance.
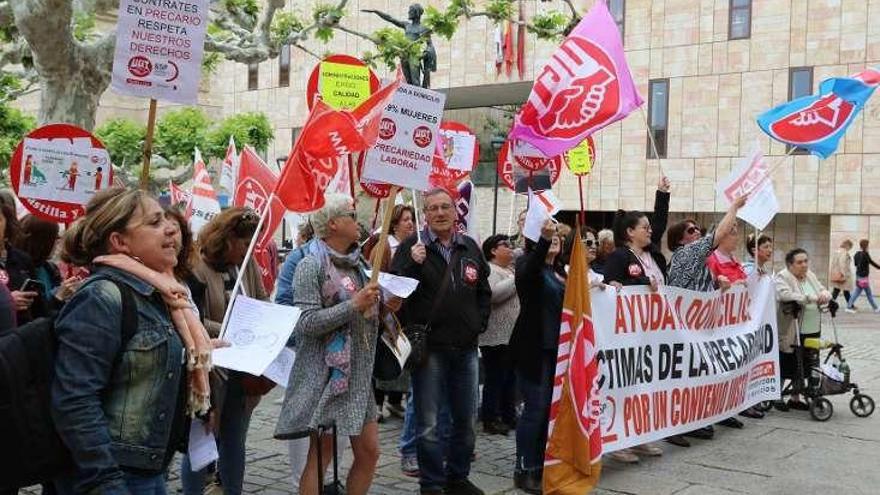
(195, 338)
(335, 289)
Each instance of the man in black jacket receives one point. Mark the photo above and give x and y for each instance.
(457, 311)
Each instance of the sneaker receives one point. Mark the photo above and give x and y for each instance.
(851, 311)
(462, 487)
(409, 466)
(648, 449)
(624, 456)
(396, 410)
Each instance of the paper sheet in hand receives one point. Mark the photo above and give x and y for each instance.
(202, 448)
(400, 347)
(536, 215)
(750, 176)
(279, 369)
(257, 331)
(399, 286)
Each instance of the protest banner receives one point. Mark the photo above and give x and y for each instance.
(459, 145)
(751, 176)
(676, 360)
(343, 81)
(408, 133)
(159, 48)
(376, 190)
(56, 169)
(581, 158)
(204, 204)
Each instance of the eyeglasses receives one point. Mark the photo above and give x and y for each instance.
(436, 208)
(589, 242)
(350, 214)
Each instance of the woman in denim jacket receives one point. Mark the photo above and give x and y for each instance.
(119, 407)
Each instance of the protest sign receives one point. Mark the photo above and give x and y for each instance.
(461, 150)
(581, 158)
(407, 137)
(520, 179)
(751, 176)
(257, 331)
(159, 48)
(373, 189)
(56, 169)
(343, 81)
(676, 360)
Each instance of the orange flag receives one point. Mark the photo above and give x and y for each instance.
(574, 441)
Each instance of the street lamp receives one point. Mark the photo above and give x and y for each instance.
(497, 143)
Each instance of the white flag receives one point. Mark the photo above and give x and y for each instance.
(229, 168)
(204, 199)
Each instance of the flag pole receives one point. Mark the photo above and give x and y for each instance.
(351, 180)
(247, 257)
(653, 142)
(416, 214)
(148, 145)
(512, 207)
(581, 215)
(379, 252)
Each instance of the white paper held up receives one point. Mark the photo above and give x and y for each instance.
(257, 331)
(202, 447)
(536, 215)
(399, 286)
(279, 369)
(751, 176)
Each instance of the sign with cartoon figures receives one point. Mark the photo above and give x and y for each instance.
(459, 146)
(56, 170)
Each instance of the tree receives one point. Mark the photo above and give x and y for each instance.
(14, 124)
(252, 129)
(179, 132)
(52, 44)
(124, 140)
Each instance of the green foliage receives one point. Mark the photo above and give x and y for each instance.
(443, 24)
(124, 140)
(252, 129)
(14, 124)
(284, 24)
(179, 132)
(327, 16)
(393, 45)
(210, 63)
(246, 7)
(83, 25)
(500, 10)
(549, 25)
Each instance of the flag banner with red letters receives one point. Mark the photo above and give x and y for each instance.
(676, 360)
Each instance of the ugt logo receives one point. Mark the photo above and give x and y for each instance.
(577, 90)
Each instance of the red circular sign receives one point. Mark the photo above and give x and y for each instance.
(441, 174)
(422, 136)
(533, 162)
(519, 178)
(387, 128)
(312, 86)
(54, 211)
(140, 66)
(373, 189)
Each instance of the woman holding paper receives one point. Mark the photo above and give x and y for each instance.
(223, 243)
(123, 428)
(336, 338)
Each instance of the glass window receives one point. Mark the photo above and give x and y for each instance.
(800, 83)
(658, 116)
(253, 76)
(284, 66)
(618, 11)
(740, 20)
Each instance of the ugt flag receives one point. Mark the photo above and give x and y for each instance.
(584, 87)
(572, 460)
(204, 204)
(817, 122)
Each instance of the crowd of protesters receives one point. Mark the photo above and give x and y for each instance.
(131, 292)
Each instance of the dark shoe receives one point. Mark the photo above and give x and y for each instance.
(678, 440)
(797, 405)
(702, 433)
(528, 481)
(731, 423)
(462, 487)
(752, 413)
(495, 428)
(780, 405)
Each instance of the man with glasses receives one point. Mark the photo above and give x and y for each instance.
(453, 299)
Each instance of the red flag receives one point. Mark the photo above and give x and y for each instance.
(255, 183)
(204, 204)
(328, 134)
(521, 42)
(508, 47)
(179, 196)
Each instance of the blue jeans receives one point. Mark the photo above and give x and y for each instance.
(135, 484)
(408, 437)
(448, 376)
(857, 292)
(234, 421)
(531, 430)
(499, 385)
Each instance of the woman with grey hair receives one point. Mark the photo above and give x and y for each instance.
(336, 339)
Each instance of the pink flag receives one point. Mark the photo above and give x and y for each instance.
(584, 87)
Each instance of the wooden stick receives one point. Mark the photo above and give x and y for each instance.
(581, 215)
(148, 145)
(375, 214)
(379, 251)
(415, 206)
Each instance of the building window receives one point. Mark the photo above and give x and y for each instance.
(739, 25)
(618, 12)
(800, 83)
(253, 76)
(658, 116)
(284, 66)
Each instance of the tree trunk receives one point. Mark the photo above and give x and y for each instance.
(73, 102)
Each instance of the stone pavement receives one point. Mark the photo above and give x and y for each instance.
(785, 453)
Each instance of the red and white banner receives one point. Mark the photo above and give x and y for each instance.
(180, 196)
(229, 168)
(676, 360)
(204, 199)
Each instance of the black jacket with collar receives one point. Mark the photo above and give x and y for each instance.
(623, 266)
(463, 310)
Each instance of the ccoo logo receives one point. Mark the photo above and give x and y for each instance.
(814, 123)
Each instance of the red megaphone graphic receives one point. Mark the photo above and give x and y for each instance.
(818, 121)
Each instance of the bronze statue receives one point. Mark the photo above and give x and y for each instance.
(415, 72)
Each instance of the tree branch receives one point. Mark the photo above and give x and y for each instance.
(46, 26)
(574, 13)
(352, 32)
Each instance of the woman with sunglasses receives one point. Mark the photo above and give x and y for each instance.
(223, 243)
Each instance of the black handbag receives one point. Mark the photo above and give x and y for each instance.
(392, 348)
(417, 333)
